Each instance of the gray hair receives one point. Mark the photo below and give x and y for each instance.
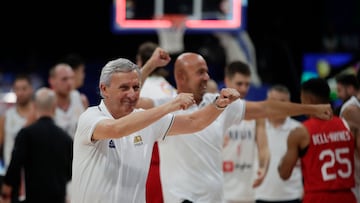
(115, 66)
(45, 99)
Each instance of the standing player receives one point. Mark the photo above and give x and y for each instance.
(69, 102)
(15, 118)
(246, 152)
(326, 149)
(274, 189)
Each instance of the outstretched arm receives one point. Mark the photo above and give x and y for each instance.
(278, 109)
(200, 119)
(110, 128)
(263, 152)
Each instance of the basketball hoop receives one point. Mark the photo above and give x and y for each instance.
(172, 39)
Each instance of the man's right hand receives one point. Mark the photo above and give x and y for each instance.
(227, 95)
(323, 111)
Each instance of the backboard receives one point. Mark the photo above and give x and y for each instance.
(209, 15)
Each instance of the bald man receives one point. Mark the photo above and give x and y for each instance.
(69, 101)
(69, 104)
(191, 166)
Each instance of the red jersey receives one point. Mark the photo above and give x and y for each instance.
(328, 165)
(153, 184)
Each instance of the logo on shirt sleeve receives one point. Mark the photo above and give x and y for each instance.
(138, 140)
(111, 144)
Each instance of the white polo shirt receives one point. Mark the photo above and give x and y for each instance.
(191, 164)
(112, 170)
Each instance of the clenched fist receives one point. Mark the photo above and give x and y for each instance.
(227, 95)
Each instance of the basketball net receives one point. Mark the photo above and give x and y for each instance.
(172, 39)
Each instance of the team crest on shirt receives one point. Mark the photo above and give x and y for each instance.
(111, 144)
(138, 140)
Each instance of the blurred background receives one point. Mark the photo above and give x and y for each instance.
(285, 41)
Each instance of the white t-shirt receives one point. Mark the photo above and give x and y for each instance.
(157, 87)
(112, 170)
(191, 164)
(14, 122)
(68, 120)
(273, 188)
(240, 162)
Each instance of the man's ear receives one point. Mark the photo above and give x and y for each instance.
(103, 90)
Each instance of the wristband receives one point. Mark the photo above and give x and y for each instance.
(217, 106)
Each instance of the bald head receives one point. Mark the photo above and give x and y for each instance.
(186, 61)
(61, 79)
(191, 74)
(59, 68)
(45, 101)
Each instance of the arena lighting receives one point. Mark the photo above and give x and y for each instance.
(123, 23)
(235, 22)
